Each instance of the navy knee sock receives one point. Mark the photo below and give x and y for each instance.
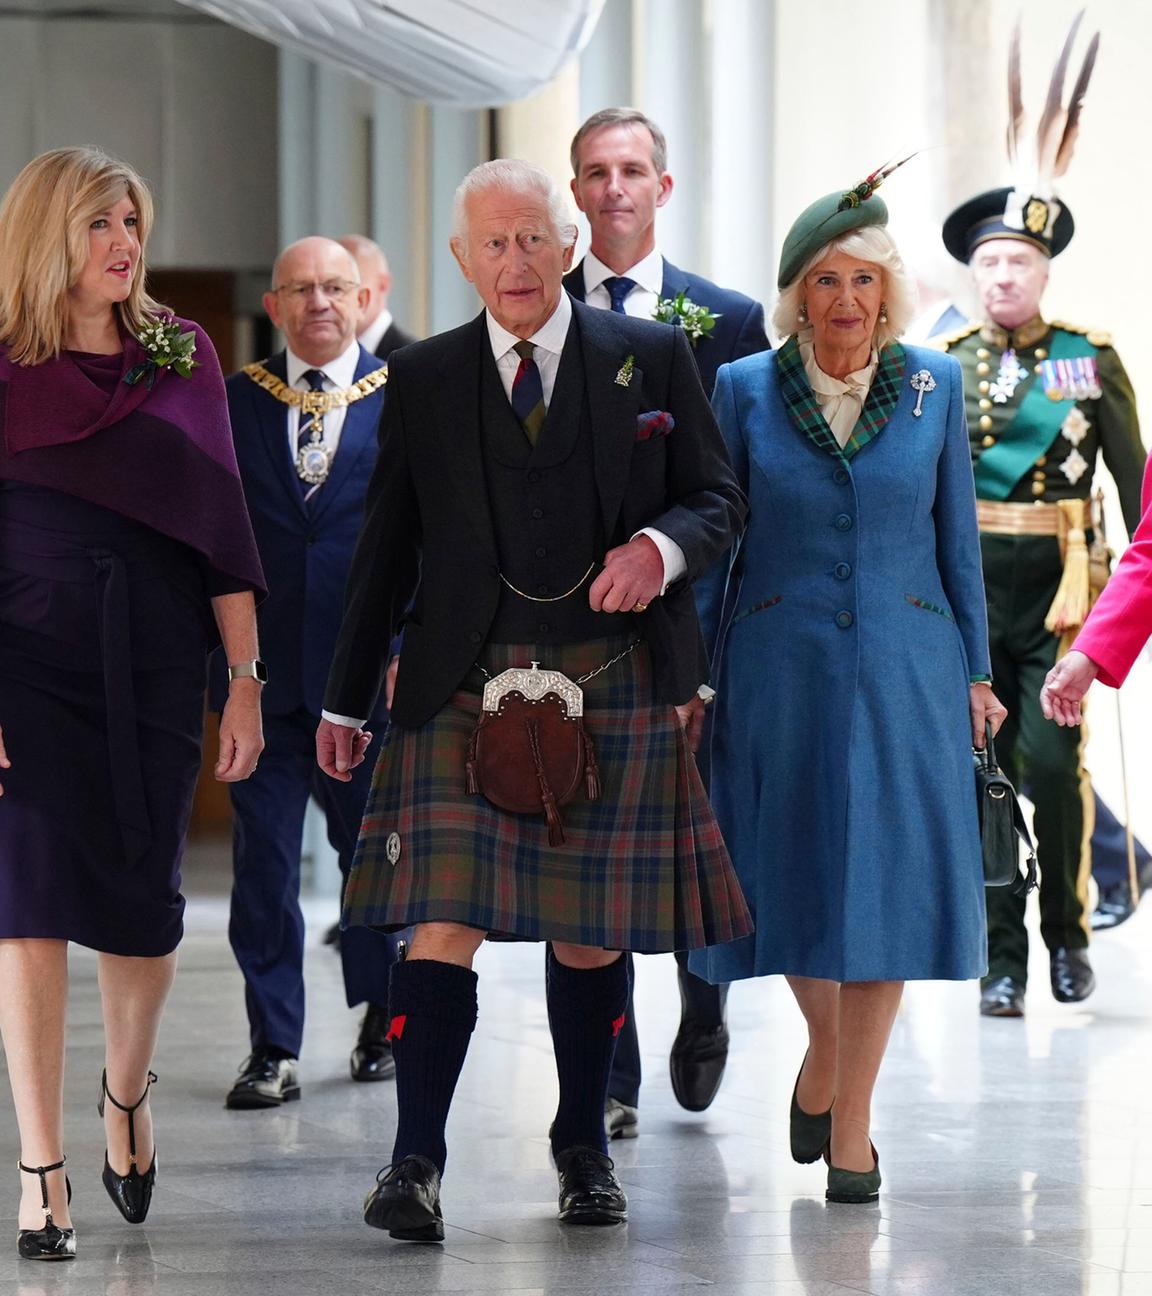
(586, 1010)
(433, 1010)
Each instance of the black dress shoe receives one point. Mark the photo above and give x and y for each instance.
(1002, 997)
(406, 1201)
(1072, 976)
(699, 1056)
(590, 1193)
(372, 1057)
(1113, 907)
(700, 1049)
(265, 1081)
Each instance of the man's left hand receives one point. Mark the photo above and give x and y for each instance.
(633, 576)
(692, 718)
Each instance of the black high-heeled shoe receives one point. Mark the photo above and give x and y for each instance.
(49, 1242)
(131, 1193)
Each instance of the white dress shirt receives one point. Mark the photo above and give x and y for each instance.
(841, 401)
(370, 338)
(338, 373)
(641, 301)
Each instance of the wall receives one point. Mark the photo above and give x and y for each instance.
(166, 92)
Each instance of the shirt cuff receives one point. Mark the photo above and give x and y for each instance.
(979, 679)
(675, 564)
(348, 721)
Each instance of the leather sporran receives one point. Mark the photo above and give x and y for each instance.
(1002, 825)
(530, 752)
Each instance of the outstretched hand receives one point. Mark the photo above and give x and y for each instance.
(1065, 687)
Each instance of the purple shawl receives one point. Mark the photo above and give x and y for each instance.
(161, 456)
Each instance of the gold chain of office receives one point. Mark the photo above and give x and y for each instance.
(317, 403)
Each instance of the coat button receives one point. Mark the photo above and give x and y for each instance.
(541, 552)
(840, 476)
(843, 522)
(844, 619)
(543, 589)
(544, 627)
(533, 476)
(842, 571)
(311, 541)
(475, 636)
(537, 513)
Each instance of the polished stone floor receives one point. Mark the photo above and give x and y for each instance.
(1017, 1156)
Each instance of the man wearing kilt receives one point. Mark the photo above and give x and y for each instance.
(550, 481)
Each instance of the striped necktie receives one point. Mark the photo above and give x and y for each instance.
(618, 289)
(528, 393)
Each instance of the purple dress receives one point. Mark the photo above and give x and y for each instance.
(105, 626)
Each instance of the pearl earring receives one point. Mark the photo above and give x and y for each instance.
(802, 314)
(883, 312)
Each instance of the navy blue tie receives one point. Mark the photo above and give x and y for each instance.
(618, 289)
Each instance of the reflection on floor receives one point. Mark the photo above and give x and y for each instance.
(1017, 1156)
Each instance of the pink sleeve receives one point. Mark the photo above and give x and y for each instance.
(1121, 621)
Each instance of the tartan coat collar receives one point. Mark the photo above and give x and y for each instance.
(804, 410)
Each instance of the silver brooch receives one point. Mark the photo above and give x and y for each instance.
(392, 848)
(922, 381)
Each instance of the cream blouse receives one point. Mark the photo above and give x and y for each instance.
(841, 400)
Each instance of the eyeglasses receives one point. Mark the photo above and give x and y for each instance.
(333, 289)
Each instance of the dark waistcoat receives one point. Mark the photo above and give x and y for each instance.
(545, 511)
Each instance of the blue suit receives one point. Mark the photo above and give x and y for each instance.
(739, 330)
(306, 550)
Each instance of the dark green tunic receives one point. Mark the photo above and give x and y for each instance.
(1027, 448)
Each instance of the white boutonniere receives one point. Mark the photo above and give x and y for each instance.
(697, 321)
(167, 348)
(624, 375)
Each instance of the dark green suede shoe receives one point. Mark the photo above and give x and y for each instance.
(807, 1134)
(854, 1187)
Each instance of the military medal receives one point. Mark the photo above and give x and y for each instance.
(1074, 379)
(1012, 373)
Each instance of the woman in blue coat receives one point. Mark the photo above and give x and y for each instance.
(851, 665)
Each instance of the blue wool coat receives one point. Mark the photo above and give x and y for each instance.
(845, 628)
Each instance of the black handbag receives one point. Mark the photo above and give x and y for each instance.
(1002, 826)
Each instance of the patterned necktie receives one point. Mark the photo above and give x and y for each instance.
(619, 288)
(315, 379)
(528, 393)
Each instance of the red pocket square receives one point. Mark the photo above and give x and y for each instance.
(656, 423)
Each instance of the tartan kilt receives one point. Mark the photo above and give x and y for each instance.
(642, 868)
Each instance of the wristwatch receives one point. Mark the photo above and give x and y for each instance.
(249, 670)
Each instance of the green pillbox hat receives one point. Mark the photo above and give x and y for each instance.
(826, 219)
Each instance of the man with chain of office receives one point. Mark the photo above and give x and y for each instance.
(1044, 398)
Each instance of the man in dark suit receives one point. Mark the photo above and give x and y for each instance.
(620, 178)
(520, 454)
(378, 330)
(305, 430)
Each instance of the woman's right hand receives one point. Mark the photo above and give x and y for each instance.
(5, 763)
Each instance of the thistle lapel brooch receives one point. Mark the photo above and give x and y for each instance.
(922, 381)
(624, 375)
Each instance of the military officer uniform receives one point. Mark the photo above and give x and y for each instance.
(1043, 401)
